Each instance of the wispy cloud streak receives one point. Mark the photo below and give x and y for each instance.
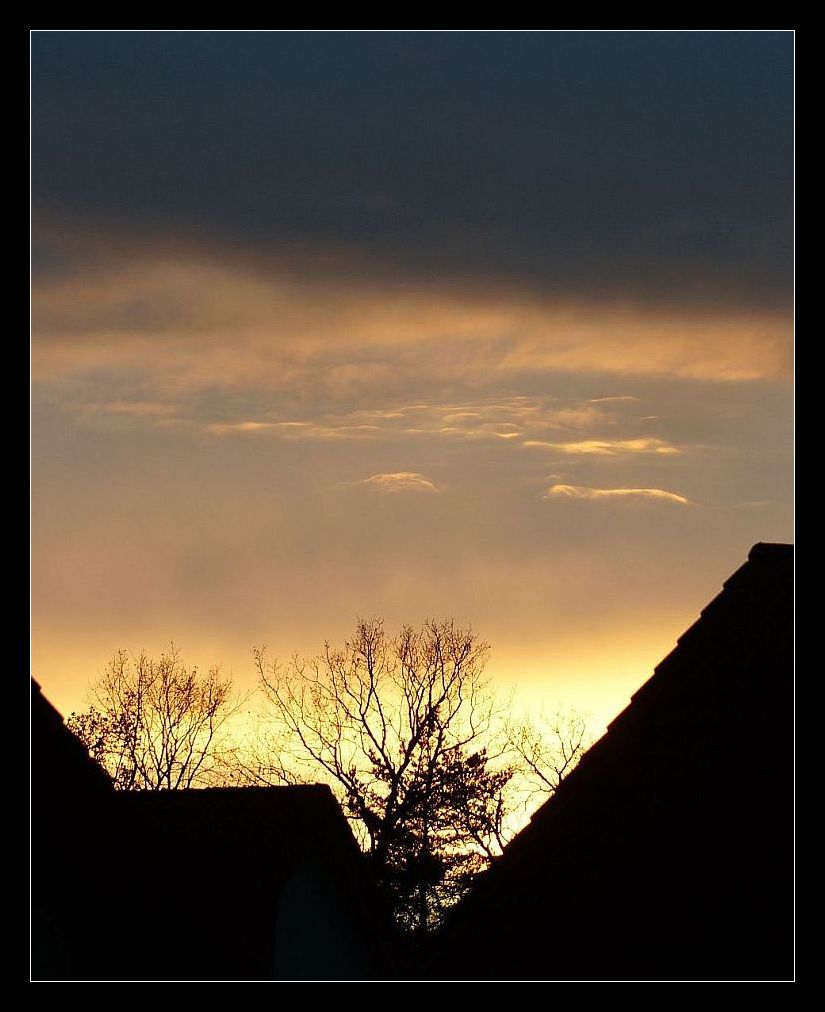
(582, 492)
(399, 481)
(607, 447)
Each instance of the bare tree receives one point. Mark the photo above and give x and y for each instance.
(547, 749)
(157, 724)
(399, 726)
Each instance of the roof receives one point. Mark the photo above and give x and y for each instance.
(70, 812)
(237, 883)
(219, 861)
(667, 853)
(60, 764)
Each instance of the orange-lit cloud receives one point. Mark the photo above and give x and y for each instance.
(191, 323)
(508, 419)
(221, 429)
(139, 408)
(399, 481)
(214, 447)
(581, 492)
(616, 399)
(293, 430)
(609, 448)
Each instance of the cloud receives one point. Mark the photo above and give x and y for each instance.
(606, 400)
(230, 427)
(508, 419)
(399, 481)
(638, 164)
(582, 492)
(192, 322)
(293, 430)
(608, 448)
(138, 408)
(340, 254)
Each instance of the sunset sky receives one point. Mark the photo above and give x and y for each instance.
(490, 325)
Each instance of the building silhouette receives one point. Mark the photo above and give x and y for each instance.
(668, 852)
(244, 883)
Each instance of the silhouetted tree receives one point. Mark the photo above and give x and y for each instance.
(156, 724)
(546, 749)
(400, 727)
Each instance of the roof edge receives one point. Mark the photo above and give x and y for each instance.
(770, 550)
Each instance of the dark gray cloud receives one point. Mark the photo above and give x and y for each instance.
(650, 165)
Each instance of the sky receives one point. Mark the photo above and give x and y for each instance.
(491, 325)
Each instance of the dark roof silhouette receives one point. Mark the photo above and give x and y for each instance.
(667, 853)
(262, 882)
(60, 768)
(250, 883)
(70, 811)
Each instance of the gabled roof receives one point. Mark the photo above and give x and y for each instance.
(239, 883)
(667, 853)
(258, 882)
(60, 764)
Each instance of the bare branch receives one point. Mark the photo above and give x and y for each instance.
(398, 726)
(158, 725)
